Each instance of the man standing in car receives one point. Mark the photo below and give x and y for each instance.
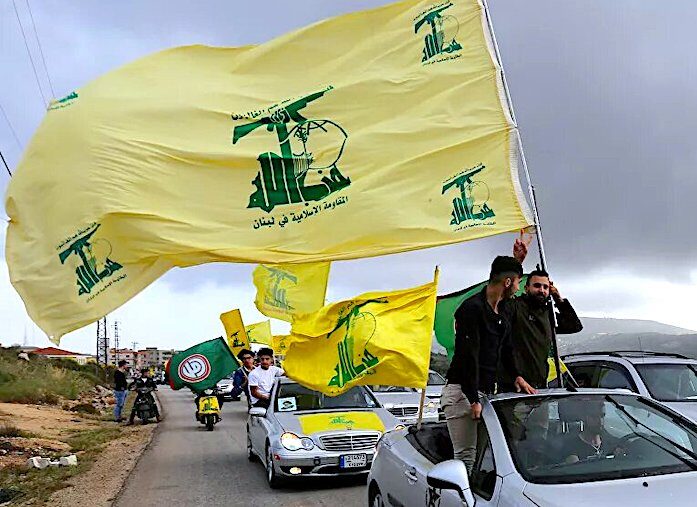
(482, 339)
(262, 378)
(240, 379)
(531, 329)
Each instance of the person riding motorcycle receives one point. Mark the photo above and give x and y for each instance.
(144, 381)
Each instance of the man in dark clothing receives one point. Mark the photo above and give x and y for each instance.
(120, 389)
(531, 333)
(240, 377)
(482, 340)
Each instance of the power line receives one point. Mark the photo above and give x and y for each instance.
(31, 59)
(41, 51)
(12, 129)
(6, 166)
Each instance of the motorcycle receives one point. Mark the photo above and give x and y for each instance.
(208, 409)
(144, 404)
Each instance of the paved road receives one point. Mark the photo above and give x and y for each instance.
(186, 465)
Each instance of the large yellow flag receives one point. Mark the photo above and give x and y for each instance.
(375, 338)
(367, 134)
(280, 344)
(290, 289)
(260, 332)
(234, 330)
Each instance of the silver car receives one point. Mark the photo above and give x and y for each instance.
(668, 378)
(403, 403)
(590, 447)
(305, 433)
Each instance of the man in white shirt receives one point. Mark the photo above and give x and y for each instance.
(262, 378)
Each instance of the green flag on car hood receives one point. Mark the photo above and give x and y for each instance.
(447, 305)
(202, 366)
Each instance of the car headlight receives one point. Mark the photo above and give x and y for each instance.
(398, 427)
(388, 405)
(431, 407)
(293, 442)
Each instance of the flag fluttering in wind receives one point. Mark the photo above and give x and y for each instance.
(447, 305)
(367, 134)
(280, 344)
(260, 333)
(375, 338)
(235, 332)
(202, 366)
(284, 290)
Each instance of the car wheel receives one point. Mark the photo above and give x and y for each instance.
(250, 452)
(271, 477)
(376, 496)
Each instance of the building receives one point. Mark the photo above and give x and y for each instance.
(128, 355)
(152, 357)
(56, 353)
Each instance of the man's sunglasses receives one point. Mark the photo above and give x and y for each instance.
(539, 285)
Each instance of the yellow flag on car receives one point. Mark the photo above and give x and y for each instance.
(376, 338)
(367, 134)
(235, 332)
(284, 290)
(552, 369)
(260, 333)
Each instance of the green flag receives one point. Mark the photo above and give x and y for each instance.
(447, 305)
(201, 366)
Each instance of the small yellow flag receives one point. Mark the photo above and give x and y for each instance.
(552, 372)
(285, 290)
(260, 333)
(281, 343)
(375, 338)
(314, 423)
(234, 330)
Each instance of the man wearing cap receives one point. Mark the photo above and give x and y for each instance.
(482, 339)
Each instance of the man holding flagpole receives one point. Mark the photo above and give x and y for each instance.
(482, 339)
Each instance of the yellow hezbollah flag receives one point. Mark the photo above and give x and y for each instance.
(367, 134)
(284, 290)
(281, 343)
(376, 338)
(234, 330)
(314, 423)
(260, 333)
(552, 369)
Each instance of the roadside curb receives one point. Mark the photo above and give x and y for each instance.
(145, 449)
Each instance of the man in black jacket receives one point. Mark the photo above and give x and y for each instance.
(482, 339)
(531, 333)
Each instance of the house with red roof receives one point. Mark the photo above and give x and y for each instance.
(56, 353)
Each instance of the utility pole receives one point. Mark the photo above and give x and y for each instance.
(135, 354)
(116, 340)
(102, 343)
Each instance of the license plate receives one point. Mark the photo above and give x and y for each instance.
(353, 461)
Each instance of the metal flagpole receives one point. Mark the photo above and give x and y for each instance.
(421, 408)
(531, 188)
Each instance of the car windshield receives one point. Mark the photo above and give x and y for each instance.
(392, 389)
(670, 382)
(435, 379)
(593, 437)
(296, 398)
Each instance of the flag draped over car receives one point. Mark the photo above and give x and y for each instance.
(367, 134)
(235, 331)
(285, 290)
(202, 366)
(375, 338)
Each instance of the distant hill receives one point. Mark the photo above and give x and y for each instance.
(601, 334)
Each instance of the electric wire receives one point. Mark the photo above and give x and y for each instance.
(5, 163)
(12, 129)
(31, 59)
(41, 51)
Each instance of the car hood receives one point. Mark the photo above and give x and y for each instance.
(686, 408)
(399, 398)
(673, 489)
(321, 422)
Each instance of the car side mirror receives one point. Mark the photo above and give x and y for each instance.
(452, 474)
(257, 412)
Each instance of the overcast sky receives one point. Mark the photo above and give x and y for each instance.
(606, 99)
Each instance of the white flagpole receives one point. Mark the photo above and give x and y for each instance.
(531, 187)
(421, 408)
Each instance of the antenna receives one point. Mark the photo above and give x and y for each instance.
(102, 342)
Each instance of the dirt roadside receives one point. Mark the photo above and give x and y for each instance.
(107, 452)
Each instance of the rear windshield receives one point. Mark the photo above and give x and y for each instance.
(296, 398)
